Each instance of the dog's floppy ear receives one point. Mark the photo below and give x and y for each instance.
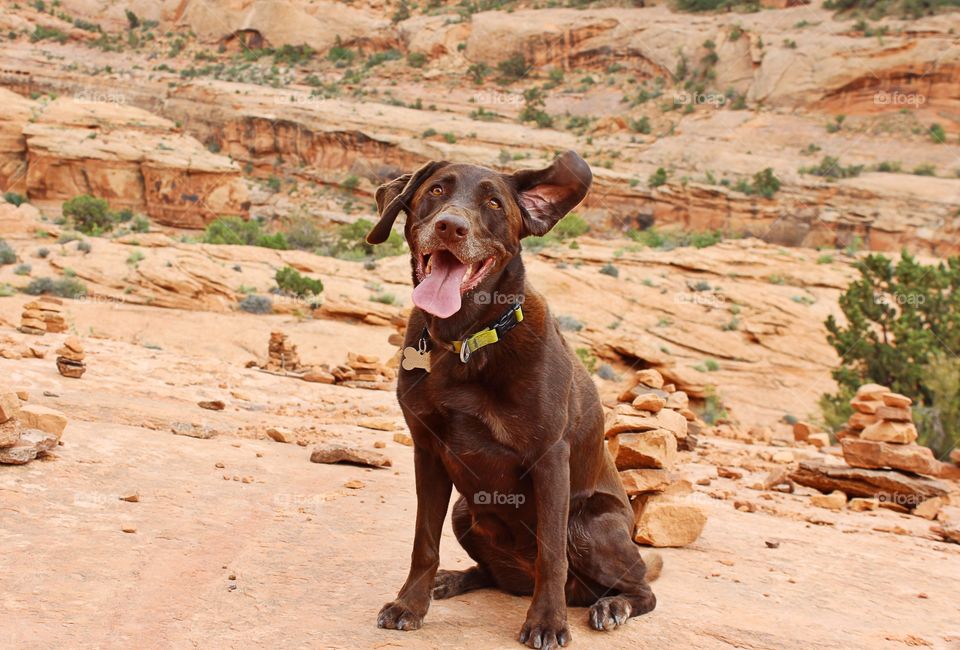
(395, 196)
(548, 194)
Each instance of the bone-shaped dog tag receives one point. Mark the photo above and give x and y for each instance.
(414, 359)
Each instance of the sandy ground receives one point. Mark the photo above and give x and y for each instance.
(312, 561)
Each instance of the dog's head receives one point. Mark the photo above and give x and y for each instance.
(465, 222)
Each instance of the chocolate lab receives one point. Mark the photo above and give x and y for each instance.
(500, 408)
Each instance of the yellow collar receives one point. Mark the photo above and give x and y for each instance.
(488, 335)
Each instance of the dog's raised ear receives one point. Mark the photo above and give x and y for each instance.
(548, 194)
(395, 196)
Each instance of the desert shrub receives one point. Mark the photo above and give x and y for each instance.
(291, 282)
(89, 214)
(302, 233)
(764, 184)
(570, 227)
(513, 68)
(349, 242)
(534, 108)
(657, 178)
(713, 410)
(293, 54)
(939, 425)
(236, 231)
(7, 254)
(41, 33)
(140, 224)
(937, 134)
(62, 287)
(831, 168)
(43, 252)
(670, 239)
(587, 358)
(416, 59)
(835, 410)
(23, 269)
(14, 198)
(384, 298)
(84, 247)
(569, 323)
(900, 321)
(606, 372)
(256, 304)
(610, 269)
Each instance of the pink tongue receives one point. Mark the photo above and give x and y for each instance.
(439, 292)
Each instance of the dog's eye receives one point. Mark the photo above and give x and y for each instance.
(436, 190)
(493, 203)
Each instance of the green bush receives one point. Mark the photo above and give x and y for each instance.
(670, 239)
(610, 269)
(587, 358)
(513, 68)
(764, 184)
(657, 178)
(831, 168)
(41, 33)
(7, 254)
(291, 282)
(236, 231)
(23, 269)
(416, 59)
(571, 227)
(14, 198)
(937, 134)
(62, 287)
(89, 214)
(900, 321)
(350, 243)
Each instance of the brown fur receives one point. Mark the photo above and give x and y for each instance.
(522, 418)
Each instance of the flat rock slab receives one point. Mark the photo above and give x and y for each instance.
(871, 454)
(339, 454)
(885, 485)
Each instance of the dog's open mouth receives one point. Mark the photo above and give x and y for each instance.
(444, 279)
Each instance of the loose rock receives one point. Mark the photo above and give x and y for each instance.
(332, 453)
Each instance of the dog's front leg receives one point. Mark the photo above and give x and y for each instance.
(546, 624)
(433, 498)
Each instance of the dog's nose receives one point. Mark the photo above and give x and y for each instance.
(452, 228)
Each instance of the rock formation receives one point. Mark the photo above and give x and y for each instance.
(70, 358)
(884, 462)
(643, 435)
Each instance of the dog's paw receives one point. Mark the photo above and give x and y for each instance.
(447, 584)
(397, 616)
(609, 613)
(543, 634)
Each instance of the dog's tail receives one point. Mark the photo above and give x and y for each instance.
(654, 562)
